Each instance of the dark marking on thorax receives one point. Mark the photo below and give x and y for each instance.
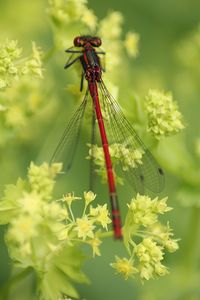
(89, 59)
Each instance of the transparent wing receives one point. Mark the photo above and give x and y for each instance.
(66, 148)
(138, 166)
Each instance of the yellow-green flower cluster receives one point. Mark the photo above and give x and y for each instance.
(145, 211)
(149, 255)
(188, 50)
(120, 154)
(113, 21)
(12, 66)
(164, 118)
(111, 39)
(101, 216)
(114, 44)
(88, 226)
(9, 54)
(68, 11)
(71, 16)
(33, 65)
(146, 239)
(45, 234)
(131, 43)
(20, 89)
(41, 178)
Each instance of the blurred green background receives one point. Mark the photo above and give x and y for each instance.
(162, 26)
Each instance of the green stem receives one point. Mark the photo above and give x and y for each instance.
(105, 234)
(84, 210)
(5, 289)
(71, 213)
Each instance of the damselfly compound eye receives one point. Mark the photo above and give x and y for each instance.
(96, 42)
(79, 42)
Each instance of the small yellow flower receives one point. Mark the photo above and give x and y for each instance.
(130, 158)
(41, 178)
(89, 197)
(161, 270)
(153, 249)
(163, 232)
(131, 43)
(30, 203)
(95, 242)
(69, 198)
(93, 211)
(150, 255)
(146, 271)
(23, 229)
(54, 211)
(97, 154)
(84, 227)
(160, 206)
(145, 211)
(124, 266)
(171, 245)
(101, 215)
(141, 209)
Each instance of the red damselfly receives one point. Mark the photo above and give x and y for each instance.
(113, 128)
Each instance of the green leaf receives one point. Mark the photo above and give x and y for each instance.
(54, 283)
(75, 259)
(62, 270)
(8, 204)
(7, 212)
(14, 191)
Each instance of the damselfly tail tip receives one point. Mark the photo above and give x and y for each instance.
(118, 234)
(118, 237)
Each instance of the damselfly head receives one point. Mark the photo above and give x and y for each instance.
(81, 41)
